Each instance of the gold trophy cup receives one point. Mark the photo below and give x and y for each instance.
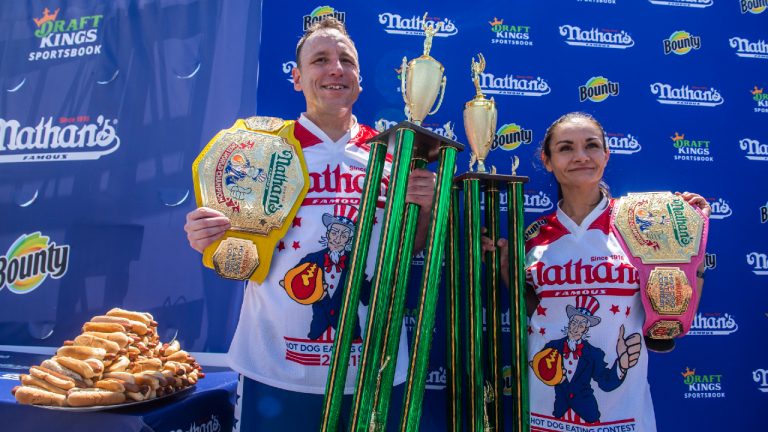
(421, 80)
(479, 119)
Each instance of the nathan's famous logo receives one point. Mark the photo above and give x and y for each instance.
(510, 34)
(760, 377)
(30, 260)
(755, 150)
(211, 425)
(594, 37)
(71, 138)
(275, 182)
(753, 6)
(510, 136)
(676, 209)
(761, 99)
(746, 48)
(597, 89)
(620, 143)
(713, 324)
(396, 24)
(322, 12)
(598, 1)
(681, 42)
(720, 209)
(537, 202)
(684, 3)
(759, 263)
(764, 213)
(436, 379)
(513, 85)
(710, 261)
(700, 386)
(446, 130)
(65, 38)
(691, 149)
(686, 95)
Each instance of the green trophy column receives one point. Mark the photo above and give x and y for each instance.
(337, 372)
(474, 302)
(454, 368)
(518, 314)
(492, 311)
(425, 318)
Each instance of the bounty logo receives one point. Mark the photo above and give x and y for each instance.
(746, 48)
(755, 150)
(597, 89)
(510, 136)
(681, 42)
(686, 95)
(691, 149)
(753, 6)
(759, 263)
(513, 85)
(720, 209)
(396, 24)
(713, 324)
(322, 12)
(66, 140)
(684, 3)
(764, 213)
(537, 202)
(623, 144)
(760, 377)
(596, 38)
(65, 38)
(510, 34)
(30, 260)
(436, 379)
(701, 386)
(761, 99)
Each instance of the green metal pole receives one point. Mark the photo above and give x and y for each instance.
(455, 371)
(492, 310)
(391, 339)
(389, 245)
(521, 407)
(474, 305)
(425, 317)
(337, 372)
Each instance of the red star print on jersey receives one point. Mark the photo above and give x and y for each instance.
(296, 222)
(627, 310)
(296, 245)
(542, 331)
(530, 330)
(615, 309)
(541, 310)
(280, 246)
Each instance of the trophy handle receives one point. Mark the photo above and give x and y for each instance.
(403, 69)
(440, 102)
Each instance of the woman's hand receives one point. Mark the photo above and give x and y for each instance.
(696, 200)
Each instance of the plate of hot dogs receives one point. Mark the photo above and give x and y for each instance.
(117, 361)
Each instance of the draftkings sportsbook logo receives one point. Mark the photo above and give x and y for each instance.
(620, 143)
(681, 42)
(413, 26)
(511, 136)
(759, 263)
(684, 3)
(761, 100)
(695, 150)
(61, 38)
(597, 89)
(746, 48)
(70, 138)
(30, 260)
(713, 324)
(700, 386)
(322, 12)
(686, 95)
(597, 38)
(753, 6)
(754, 149)
(513, 85)
(720, 209)
(510, 34)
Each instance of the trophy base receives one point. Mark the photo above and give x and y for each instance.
(426, 144)
(489, 180)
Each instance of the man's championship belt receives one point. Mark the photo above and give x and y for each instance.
(254, 173)
(665, 239)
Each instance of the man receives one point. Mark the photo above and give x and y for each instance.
(273, 348)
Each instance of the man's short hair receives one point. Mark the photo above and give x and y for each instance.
(329, 23)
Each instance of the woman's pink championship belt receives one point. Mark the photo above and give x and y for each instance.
(665, 239)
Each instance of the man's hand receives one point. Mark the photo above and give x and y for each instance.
(696, 201)
(204, 226)
(502, 247)
(628, 349)
(421, 191)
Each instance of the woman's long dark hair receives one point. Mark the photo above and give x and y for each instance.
(547, 150)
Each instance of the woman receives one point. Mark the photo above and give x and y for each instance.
(585, 320)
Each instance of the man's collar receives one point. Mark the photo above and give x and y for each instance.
(316, 131)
